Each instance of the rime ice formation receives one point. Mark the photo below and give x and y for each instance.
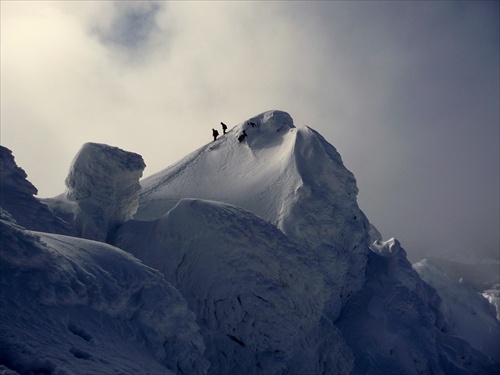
(257, 295)
(103, 187)
(264, 264)
(70, 305)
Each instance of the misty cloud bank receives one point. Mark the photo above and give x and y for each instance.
(408, 92)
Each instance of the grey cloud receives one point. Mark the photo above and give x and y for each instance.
(407, 92)
(131, 25)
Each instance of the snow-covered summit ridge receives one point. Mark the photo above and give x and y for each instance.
(279, 172)
(289, 176)
(264, 130)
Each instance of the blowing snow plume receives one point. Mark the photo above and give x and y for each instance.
(103, 186)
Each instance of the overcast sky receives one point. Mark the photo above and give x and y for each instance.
(408, 93)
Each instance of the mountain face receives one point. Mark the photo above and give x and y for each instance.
(17, 197)
(288, 176)
(246, 256)
(70, 305)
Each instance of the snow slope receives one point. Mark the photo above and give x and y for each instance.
(395, 324)
(291, 177)
(259, 297)
(70, 305)
(469, 314)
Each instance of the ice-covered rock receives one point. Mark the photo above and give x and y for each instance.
(102, 190)
(468, 314)
(257, 295)
(17, 197)
(394, 325)
(73, 306)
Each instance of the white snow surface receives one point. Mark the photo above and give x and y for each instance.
(469, 314)
(70, 305)
(291, 177)
(102, 190)
(258, 296)
(256, 260)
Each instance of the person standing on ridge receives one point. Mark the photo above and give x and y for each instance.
(215, 133)
(224, 128)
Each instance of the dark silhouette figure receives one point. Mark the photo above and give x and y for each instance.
(224, 128)
(215, 133)
(242, 136)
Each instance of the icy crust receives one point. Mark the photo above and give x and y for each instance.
(258, 296)
(103, 186)
(17, 197)
(394, 324)
(76, 306)
(468, 314)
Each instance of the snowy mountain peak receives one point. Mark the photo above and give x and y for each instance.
(265, 129)
(272, 121)
(278, 172)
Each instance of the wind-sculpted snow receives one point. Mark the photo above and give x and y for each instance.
(291, 177)
(103, 187)
(17, 197)
(258, 297)
(468, 314)
(72, 306)
(395, 326)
